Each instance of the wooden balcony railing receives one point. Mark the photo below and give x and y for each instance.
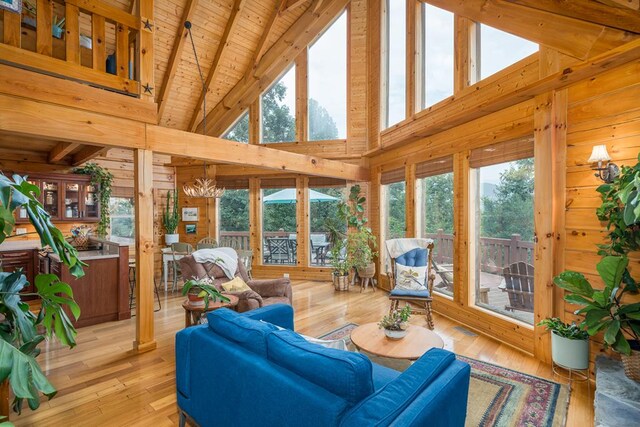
(85, 40)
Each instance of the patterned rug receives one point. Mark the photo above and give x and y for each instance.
(498, 396)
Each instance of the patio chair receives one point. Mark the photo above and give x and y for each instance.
(319, 247)
(445, 271)
(207, 243)
(178, 249)
(279, 250)
(518, 284)
(411, 253)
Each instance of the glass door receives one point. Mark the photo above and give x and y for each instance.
(71, 206)
(51, 198)
(91, 207)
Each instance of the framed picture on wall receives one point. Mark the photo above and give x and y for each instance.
(188, 214)
(12, 5)
(190, 228)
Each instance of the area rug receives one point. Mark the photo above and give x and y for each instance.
(498, 397)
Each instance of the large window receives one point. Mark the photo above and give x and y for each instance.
(122, 220)
(394, 49)
(502, 184)
(434, 195)
(325, 195)
(328, 83)
(498, 50)
(279, 110)
(240, 130)
(437, 54)
(279, 198)
(393, 197)
(233, 214)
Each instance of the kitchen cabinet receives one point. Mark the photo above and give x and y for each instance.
(27, 260)
(66, 197)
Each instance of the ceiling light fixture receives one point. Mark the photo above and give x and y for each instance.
(202, 187)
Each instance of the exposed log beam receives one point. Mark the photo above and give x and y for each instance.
(271, 64)
(289, 5)
(570, 36)
(174, 59)
(62, 150)
(588, 10)
(257, 54)
(519, 84)
(215, 66)
(58, 123)
(632, 4)
(87, 153)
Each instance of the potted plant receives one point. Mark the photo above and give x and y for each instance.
(569, 343)
(604, 310)
(201, 291)
(361, 243)
(340, 265)
(396, 323)
(171, 218)
(21, 330)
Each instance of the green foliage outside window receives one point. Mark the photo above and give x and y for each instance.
(234, 210)
(396, 223)
(438, 202)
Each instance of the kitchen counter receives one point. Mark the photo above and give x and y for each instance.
(89, 255)
(19, 245)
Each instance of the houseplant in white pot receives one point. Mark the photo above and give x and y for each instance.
(569, 343)
(396, 323)
(171, 218)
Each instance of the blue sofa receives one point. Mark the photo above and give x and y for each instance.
(241, 370)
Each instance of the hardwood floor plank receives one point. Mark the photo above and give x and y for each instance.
(101, 383)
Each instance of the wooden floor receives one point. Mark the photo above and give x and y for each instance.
(101, 383)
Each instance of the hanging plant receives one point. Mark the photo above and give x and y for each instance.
(103, 179)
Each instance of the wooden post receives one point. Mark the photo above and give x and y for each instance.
(302, 221)
(374, 28)
(254, 122)
(11, 28)
(143, 170)
(44, 21)
(72, 39)
(144, 10)
(513, 249)
(302, 101)
(464, 272)
(412, 56)
(255, 220)
(463, 53)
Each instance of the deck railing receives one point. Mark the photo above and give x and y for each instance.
(85, 40)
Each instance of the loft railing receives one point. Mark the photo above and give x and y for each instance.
(84, 40)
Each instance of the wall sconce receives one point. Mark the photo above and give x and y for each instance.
(609, 171)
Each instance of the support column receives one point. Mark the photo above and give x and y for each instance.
(302, 101)
(302, 221)
(143, 169)
(461, 209)
(255, 220)
(374, 60)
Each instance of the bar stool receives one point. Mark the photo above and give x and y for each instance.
(132, 287)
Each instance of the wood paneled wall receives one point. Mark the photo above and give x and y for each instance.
(602, 110)
(186, 175)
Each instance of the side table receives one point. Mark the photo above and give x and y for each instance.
(193, 314)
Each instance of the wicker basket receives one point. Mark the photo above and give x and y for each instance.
(632, 365)
(81, 242)
(340, 283)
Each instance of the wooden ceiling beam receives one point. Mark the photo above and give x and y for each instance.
(215, 66)
(631, 4)
(62, 150)
(588, 10)
(270, 65)
(87, 153)
(520, 83)
(289, 5)
(262, 43)
(573, 37)
(174, 59)
(59, 123)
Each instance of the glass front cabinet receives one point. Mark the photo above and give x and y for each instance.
(66, 197)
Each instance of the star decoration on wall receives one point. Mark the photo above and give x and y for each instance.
(147, 88)
(147, 25)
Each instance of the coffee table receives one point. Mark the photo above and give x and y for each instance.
(193, 314)
(418, 341)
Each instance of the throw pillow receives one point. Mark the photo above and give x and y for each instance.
(340, 344)
(235, 285)
(411, 278)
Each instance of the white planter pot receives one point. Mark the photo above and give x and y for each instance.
(572, 354)
(395, 335)
(169, 239)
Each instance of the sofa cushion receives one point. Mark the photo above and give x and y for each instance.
(383, 376)
(346, 374)
(244, 331)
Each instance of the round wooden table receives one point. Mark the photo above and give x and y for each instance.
(418, 341)
(193, 314)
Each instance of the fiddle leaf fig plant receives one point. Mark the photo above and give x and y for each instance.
(361, 243)
(603, 310)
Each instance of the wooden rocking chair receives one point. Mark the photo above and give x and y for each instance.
(413, 258)
(518, 278)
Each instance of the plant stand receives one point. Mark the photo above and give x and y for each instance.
(571, 375)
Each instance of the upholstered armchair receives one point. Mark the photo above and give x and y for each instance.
(262, 293)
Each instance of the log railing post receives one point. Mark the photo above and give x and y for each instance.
(514, 244)
(143, 170)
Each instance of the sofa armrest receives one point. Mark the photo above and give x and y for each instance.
(280, 287)
(183, 359)
(437, 372)
(278, 314)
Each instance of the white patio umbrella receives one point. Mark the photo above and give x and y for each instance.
(288, 195)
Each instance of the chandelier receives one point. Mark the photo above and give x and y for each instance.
(201, 187)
